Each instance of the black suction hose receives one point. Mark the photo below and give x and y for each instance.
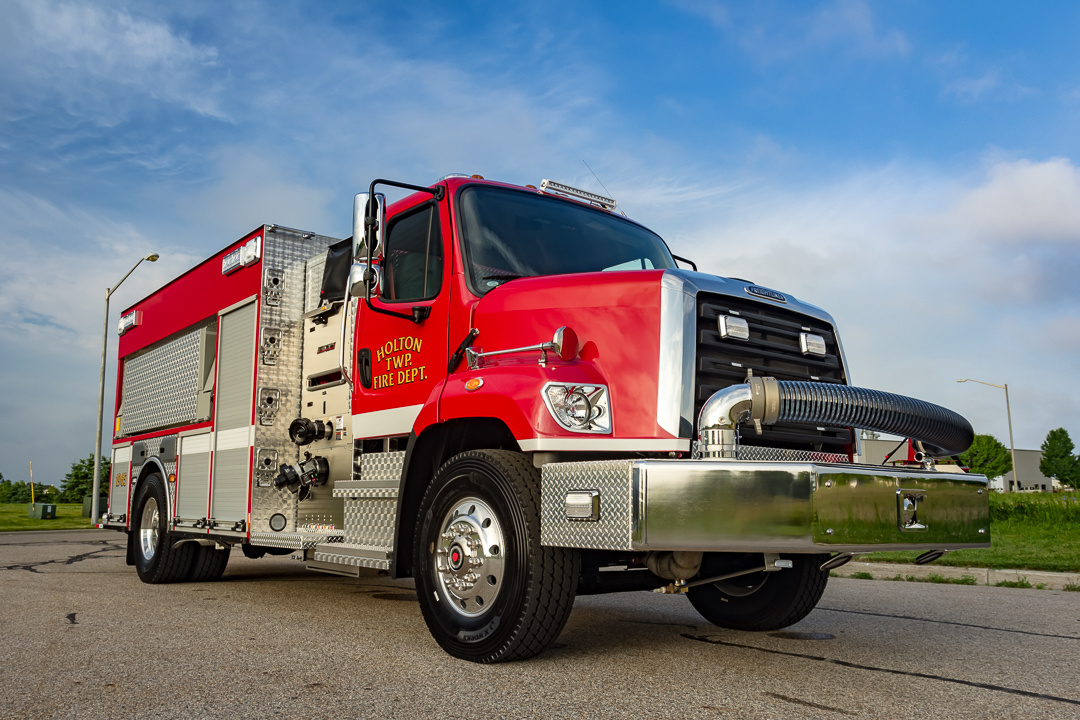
(942, 431)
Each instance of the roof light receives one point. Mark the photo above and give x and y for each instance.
(129, 321)
(552, 187)
(243, 256)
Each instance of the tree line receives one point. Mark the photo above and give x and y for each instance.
(988, 456)
(76, 484)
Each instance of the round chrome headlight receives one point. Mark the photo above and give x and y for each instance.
(581, 408)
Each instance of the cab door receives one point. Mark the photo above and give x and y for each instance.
(399, 363)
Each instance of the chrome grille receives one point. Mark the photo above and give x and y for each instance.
(772, 350)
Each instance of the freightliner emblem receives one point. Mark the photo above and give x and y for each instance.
(765, 293)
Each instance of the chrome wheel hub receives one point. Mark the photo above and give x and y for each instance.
(469, 559)
(149, 528)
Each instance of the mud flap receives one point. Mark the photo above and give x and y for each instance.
(130, 548)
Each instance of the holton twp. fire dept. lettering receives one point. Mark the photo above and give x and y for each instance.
(398, 356)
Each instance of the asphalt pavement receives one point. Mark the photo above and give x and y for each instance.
(83, 638)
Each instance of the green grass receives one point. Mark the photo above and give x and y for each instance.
(1043, 508)
(1022, 545)
(14, 516)
(1072, 587)
(932, 578)
(1021, 583)
(941, 579)
(1029, 531)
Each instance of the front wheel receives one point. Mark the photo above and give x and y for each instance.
(761, 600)
(488, 590)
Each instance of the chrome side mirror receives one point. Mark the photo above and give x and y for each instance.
(565, 344)
(358, 277)
(360, 208)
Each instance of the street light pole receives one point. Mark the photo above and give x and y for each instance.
(1008, 414)
(152, 257)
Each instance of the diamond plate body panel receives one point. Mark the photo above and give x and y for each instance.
(767, 454)
(371, 504)
(613, 479)
(315, 267)
(341, 556)
(161, 384)
(142, 451)
(370, 521)
(384, 467)
(285, 255)
(295, 541)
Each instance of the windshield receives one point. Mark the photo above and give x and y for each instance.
(510, 234)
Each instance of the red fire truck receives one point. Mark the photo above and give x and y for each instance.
(513, 395)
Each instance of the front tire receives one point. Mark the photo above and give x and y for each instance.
(488, 590)
(759, 601)
(156, 560)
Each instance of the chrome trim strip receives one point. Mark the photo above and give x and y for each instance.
(675, 374)
(604, 444)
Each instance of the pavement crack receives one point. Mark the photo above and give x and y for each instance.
(950, 622)
(890, 671)
(70, 560)
(807, 703)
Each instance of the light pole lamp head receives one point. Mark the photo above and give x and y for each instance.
(152, 257)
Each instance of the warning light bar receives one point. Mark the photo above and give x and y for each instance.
(552, 187)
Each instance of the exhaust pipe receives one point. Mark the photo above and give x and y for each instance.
(766, 401)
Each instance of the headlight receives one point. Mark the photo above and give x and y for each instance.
(579, 408)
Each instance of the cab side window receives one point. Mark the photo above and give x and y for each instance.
(413, 258)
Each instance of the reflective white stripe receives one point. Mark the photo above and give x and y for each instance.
(396, 421)
(121, 455)
(238, 438)
(604, 444)
(194, 444)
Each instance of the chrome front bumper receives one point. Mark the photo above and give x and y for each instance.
(741, 506)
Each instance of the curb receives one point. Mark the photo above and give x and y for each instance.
(982, 576)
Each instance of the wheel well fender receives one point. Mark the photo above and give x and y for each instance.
(152, 465)
(424, 455)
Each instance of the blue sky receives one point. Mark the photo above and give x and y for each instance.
(912, 167)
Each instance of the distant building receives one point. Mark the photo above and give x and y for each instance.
(1031, 480)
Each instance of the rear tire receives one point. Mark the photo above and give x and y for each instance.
(759, 601)
(488, 590)
(208, 564)
(156, 560)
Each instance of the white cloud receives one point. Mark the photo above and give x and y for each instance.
(84, 52)
(847, 26)
(58, 262)
(1020, 202)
